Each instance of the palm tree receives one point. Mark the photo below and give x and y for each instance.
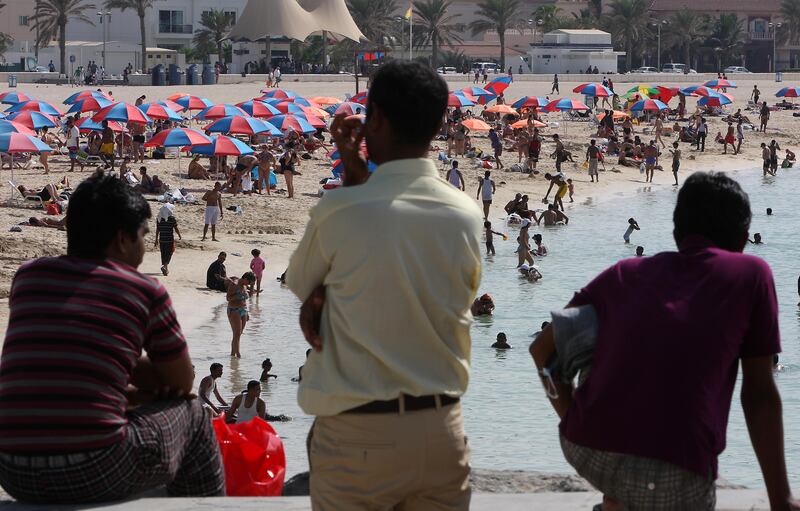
(436, 26)
(140, 6)
(51, 19)
(727, 38)
(790, 9)
(375, 18)
(216, 25)
(5, 39)
(498, 15)
(627, 21)
(548, 13)
(686, 30)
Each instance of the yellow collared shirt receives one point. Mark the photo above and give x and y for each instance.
(400, 261)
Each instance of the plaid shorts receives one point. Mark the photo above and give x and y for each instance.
(641, 483)
(167, 443)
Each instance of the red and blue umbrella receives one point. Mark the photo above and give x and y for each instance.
(190, 102)
(497, 85)
(278, 93)
(223, 146)
(295, 123)
(648, 105)
(159, 111)
(13, 97)
(458, 100)
(287, 107)
(695, 90)
(788, 92)
(348, 108)
(22, 143)
(220, 111)
(15, 127)
(302, 101)
(35, 106)
(87, 124)
(716, 99)
(594, 89)
(122, 112)
(720, 83)
(565, 104)
(477, 93)
(258, 108)
(178, 137)
(33, 120)
(242, 126)
(89, 105)
(531, 102)
(360, 98)
(86, 94)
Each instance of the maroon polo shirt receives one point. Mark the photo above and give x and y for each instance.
(672, 328)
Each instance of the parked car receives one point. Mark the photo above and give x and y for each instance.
(645, 69)
(735, 69)
(676, 68)
(446, 70)
(490, 67)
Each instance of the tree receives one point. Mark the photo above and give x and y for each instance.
(498, 15)
(549, 15)
(51, 22)
(435, 26)
(140, 6)
(375, 18)
(216, 25)
(5, 39)
(790, 9)
(687, 29)
(727, 38)
(627, 22)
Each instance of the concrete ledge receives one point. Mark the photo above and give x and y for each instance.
(727, 500)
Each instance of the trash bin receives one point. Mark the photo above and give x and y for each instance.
(208, 74)
(158, 75)
(193, 75)
(778, 77)
(12, 80)
(175, 75)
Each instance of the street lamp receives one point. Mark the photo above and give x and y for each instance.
(104, 23)
(774, 27)
(532, 24)
(658, 25)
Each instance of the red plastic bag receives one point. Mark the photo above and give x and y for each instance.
(252, 452)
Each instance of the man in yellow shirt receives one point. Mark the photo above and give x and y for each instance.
(387, 269)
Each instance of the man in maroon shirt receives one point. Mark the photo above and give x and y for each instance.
(669, 332)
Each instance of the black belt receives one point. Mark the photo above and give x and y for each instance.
(411, 403)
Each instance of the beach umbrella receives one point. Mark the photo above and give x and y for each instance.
(360, 98)
(15, 127)
(594, 89)
(89, 105)
(287, 107)
(695, 90)
(258, 108)
(349, 108)
(295, 123)
(178, 137)
(523, 123)
(476, 125)
(313, 120)
(33, 120)
(86, 94)
(716, 99)
(190, 102)
(122, 112)
(241, 126)
(298, 100)
(497, 85)
(13, 97)
(648, 105)
(720, 83)
(35, 106)
(326, 100)
(223, 146)
(458, 100)
(788, 92)
(278, 93)
(530, 102)
(477, 93)
(316, 112)
(220, 111)
(665, 93)
(565, 104)
(21, 143)
(617, 114)
(159, 111)
(502, 109)
(87, 124)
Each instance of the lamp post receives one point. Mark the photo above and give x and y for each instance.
(532, 24)
(105, 20)
(774, 27)
(658, 25)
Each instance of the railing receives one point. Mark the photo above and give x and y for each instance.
(174, 29)
(760, 36)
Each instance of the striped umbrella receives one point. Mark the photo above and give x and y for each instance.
(36, 106)
(15, 127)
(497, 85)
(242, 126)
(86, 94)
(13, 97)
(33, 120)
(278, 93)
(299, 100)
(258, 108)
(159, 111)
(87, 124)
(360, 98)
(190, 102)
(326, 100)
(458, 100)
(220, 111)
(531, 102)
(720, 83)
(295, 123)
(716, 99)
(648, 105)
(594, 89)
(223, 146)
(477, 93)
(565, 104)
(287, 107)
(22, 143)
(695, 90)
(122, 112)
(178, 137)
(313, 120)
(788, 92)
(349, 108)
(89, 105)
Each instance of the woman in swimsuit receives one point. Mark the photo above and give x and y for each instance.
(237, 308)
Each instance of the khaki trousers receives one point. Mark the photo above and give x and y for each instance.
(417, 460)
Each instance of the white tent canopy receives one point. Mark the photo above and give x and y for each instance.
(295, 19)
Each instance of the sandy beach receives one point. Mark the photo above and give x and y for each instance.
(274, 223)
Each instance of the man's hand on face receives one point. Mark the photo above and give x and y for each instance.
(311, 317)
(348, 133)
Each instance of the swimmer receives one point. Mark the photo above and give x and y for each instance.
(502, 342)
(266, 367)
(633, 225)
(553, 216)
(545, 324)
(756, 239)
(640, 251)
(531, 273)
(483, 306)
(769, 211)
(541, 249)
(776, 365)
(489, 237)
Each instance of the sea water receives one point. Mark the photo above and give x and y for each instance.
(509, 421)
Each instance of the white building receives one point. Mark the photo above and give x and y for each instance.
(118, 55)
(574, 51)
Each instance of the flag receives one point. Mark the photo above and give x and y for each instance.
(408, 12)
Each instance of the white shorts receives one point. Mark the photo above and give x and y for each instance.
(212, 215)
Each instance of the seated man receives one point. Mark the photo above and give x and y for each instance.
(706, 308)
(196, 169)
(483, 306)
(121, 422)
(216, 274)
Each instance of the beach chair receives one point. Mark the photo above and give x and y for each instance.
(22, 161)
(16, 195)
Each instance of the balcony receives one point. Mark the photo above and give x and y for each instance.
(760, 36)
(175, 29)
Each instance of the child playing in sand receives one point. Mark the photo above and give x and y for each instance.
(490, 237)
(633, 225)
(257, 265)
(571, 189)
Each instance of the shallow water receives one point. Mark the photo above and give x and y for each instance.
(508, 420)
